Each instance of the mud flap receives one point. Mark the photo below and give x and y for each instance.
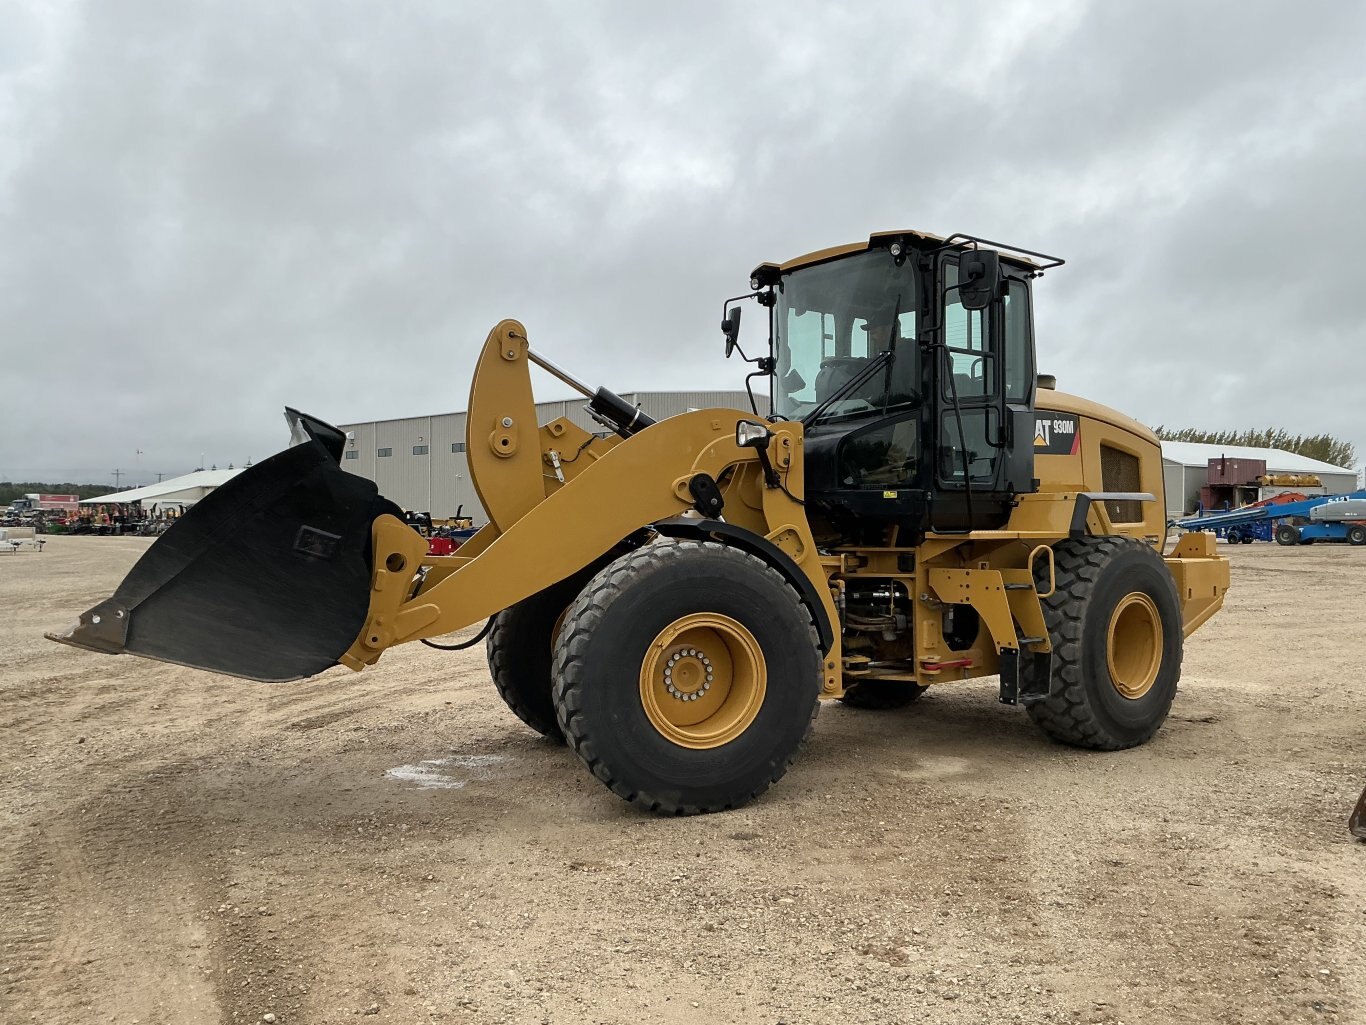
(266, 578)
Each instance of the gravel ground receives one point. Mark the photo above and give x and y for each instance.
(180, 847)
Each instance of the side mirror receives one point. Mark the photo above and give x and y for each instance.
(730, 327)
(979, 276)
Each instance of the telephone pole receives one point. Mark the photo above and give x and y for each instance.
(117, 475)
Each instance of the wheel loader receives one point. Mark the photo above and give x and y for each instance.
(916, 507)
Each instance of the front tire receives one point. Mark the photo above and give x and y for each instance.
(1356, 535)
(1115, 623)
(687, 676)
(1287, 534)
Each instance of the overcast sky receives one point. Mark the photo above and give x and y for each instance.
(209, 211)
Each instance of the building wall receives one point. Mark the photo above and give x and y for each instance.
(1339, 483)
(1196, 478)
(439, 480)
(1174, 484)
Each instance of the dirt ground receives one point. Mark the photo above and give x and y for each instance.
(180, 847)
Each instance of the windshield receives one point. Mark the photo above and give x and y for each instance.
(830, 320)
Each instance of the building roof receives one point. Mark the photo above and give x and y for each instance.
(187, 482)
(1191, 453)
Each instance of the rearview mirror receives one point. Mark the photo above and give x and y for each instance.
(730, 327)
(979, 276)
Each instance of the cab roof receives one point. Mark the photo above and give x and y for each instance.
(877, 240)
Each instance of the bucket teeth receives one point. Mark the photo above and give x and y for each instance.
(103, 628)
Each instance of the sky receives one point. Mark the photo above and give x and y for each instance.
(210, 211)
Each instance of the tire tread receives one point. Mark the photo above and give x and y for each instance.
(1067, 715)
(511, 688)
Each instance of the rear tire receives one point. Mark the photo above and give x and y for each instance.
(1356, 535)
(881, 695)
(1115, 623)
(1233, 537)
(521, 650)
(1287, 534)
(687, 676)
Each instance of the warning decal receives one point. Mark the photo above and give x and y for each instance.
(1056, 434)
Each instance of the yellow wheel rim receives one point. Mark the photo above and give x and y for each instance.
(703, 680)
(1134, 645)
(558, 626)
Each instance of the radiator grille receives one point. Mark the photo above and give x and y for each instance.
(1119, 472)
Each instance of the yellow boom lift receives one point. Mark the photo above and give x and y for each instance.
(675, 598)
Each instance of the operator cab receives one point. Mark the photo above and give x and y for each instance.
(910, 361)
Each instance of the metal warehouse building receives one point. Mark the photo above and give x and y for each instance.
(419, 462)
(1185, 465)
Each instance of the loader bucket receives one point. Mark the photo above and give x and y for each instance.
(1357, 823)
(267, 578)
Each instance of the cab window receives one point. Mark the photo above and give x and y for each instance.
(967, 337)
(1019, 347)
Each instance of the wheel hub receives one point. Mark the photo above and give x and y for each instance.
(688, 674)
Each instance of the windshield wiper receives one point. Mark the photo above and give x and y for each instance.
(875, 364)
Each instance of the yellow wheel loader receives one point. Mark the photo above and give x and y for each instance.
(918, 507)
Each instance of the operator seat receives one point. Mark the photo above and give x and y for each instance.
(835, 372)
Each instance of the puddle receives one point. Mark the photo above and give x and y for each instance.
(450, 773)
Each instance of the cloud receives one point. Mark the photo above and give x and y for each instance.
(209, 211)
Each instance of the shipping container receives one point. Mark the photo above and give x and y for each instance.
(1235, 471)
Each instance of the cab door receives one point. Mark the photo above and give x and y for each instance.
(983, 394)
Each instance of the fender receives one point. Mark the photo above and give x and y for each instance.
(763, 548)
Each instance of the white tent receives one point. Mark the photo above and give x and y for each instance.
(178, 491)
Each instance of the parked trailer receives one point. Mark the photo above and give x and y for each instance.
(1323, 518)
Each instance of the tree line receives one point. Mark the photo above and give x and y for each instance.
(1323, 447)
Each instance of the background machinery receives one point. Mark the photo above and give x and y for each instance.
(1319, 518)
(675, 598)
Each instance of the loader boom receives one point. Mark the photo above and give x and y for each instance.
(542, 530)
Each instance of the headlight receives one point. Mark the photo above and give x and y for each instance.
(749, 434)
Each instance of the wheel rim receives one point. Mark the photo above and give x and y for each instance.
(703, 680)
(1134, 645)
(558, 626)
